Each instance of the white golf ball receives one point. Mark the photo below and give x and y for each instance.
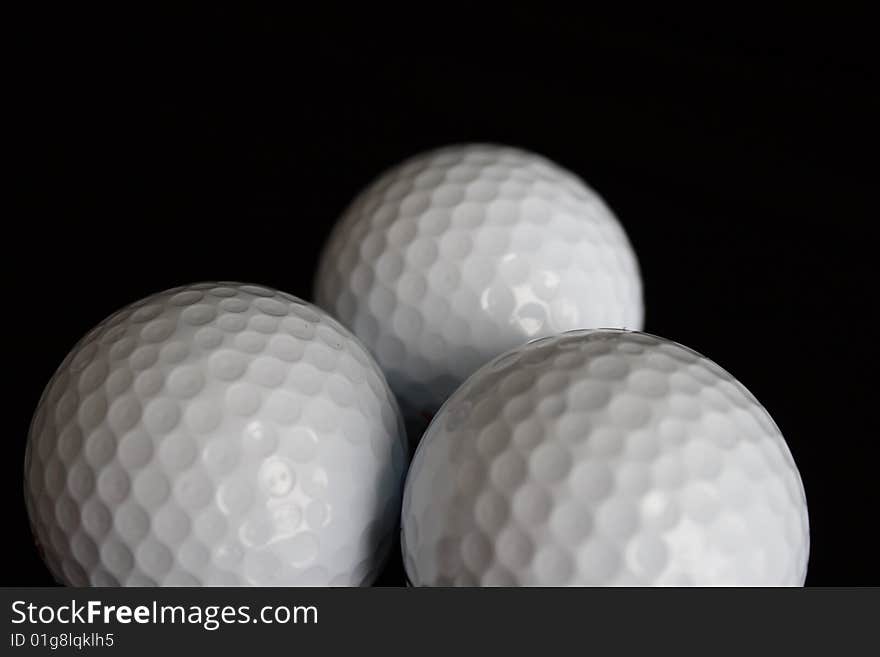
(461, 253)
(216, 434)
(603, 458)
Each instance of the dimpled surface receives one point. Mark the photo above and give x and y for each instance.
(604, 458)
(461, 253)
(216, 434)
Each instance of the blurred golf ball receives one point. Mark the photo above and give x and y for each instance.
(604, 458)
(461, 253)
(216, 434)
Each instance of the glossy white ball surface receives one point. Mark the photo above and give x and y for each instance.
(458, 254)
(603, 458)
(216, 434)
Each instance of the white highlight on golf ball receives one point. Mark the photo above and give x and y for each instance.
(216, 434)
(461, 253)
(604, 458)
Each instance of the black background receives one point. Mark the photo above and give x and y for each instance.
(735, 149)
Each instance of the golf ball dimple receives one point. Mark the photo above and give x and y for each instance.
(216, 434)
(461, 253)
(603, 457)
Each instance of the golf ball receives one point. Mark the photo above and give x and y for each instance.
(458, 254)
(603, 458)
(216, 434)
